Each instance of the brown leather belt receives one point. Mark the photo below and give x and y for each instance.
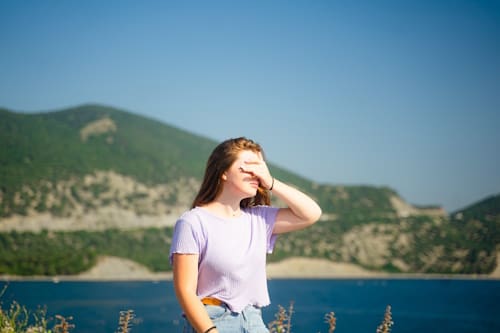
(211, 301)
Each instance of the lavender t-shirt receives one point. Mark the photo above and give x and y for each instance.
(232, 253)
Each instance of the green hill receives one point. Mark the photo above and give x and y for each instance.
(88, 181)
(41, 150)
(58, 145)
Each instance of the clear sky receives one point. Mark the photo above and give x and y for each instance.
(404, 94)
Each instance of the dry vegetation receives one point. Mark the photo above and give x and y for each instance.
(283, 321)
(18, 319)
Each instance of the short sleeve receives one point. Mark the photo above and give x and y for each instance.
(269, 215)
(186, 238)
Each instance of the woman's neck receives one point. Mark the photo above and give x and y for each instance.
(224, 209)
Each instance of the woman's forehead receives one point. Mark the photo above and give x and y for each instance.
(248, 155)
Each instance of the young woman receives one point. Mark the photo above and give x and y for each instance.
(219, 247)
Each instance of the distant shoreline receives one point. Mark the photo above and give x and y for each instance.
(70, 278)
(115, 269)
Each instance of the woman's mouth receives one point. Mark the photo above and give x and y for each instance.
(254, 183)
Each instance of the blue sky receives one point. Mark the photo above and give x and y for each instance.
(402, 94)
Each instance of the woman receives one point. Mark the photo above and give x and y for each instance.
(219, 247)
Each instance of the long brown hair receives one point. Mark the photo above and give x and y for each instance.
(221, 159)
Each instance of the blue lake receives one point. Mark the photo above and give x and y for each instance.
(419, 305)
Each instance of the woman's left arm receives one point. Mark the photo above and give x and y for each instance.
(302, 210)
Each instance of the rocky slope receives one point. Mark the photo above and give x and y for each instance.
(79, 177)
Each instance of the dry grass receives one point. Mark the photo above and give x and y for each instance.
(283, 321)
(331, 321)
(125, 321)
(18, 319)
(385, 326)
(64, 325)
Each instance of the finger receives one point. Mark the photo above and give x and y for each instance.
(247, 169)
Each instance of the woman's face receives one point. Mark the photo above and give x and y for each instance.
(238, 181)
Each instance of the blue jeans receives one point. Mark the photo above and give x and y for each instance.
(247, 321)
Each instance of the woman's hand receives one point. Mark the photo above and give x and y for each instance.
(257, 167)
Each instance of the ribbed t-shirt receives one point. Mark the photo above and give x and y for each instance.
(232, 253)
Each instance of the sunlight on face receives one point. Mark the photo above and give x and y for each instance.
(248, 156)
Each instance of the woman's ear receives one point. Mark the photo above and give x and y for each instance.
(224, 177)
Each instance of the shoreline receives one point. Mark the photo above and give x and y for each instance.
(115, 269)
(66, 278)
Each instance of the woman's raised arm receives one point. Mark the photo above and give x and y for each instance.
(302, 210)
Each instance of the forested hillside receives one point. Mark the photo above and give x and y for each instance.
(79, 183)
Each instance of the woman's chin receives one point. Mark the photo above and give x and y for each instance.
(250, 193)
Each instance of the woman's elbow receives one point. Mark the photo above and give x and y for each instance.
(314, 215)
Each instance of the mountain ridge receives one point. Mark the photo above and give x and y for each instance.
(56, 146)
(81, 177)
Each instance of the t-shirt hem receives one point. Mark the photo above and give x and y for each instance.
(171, 256)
